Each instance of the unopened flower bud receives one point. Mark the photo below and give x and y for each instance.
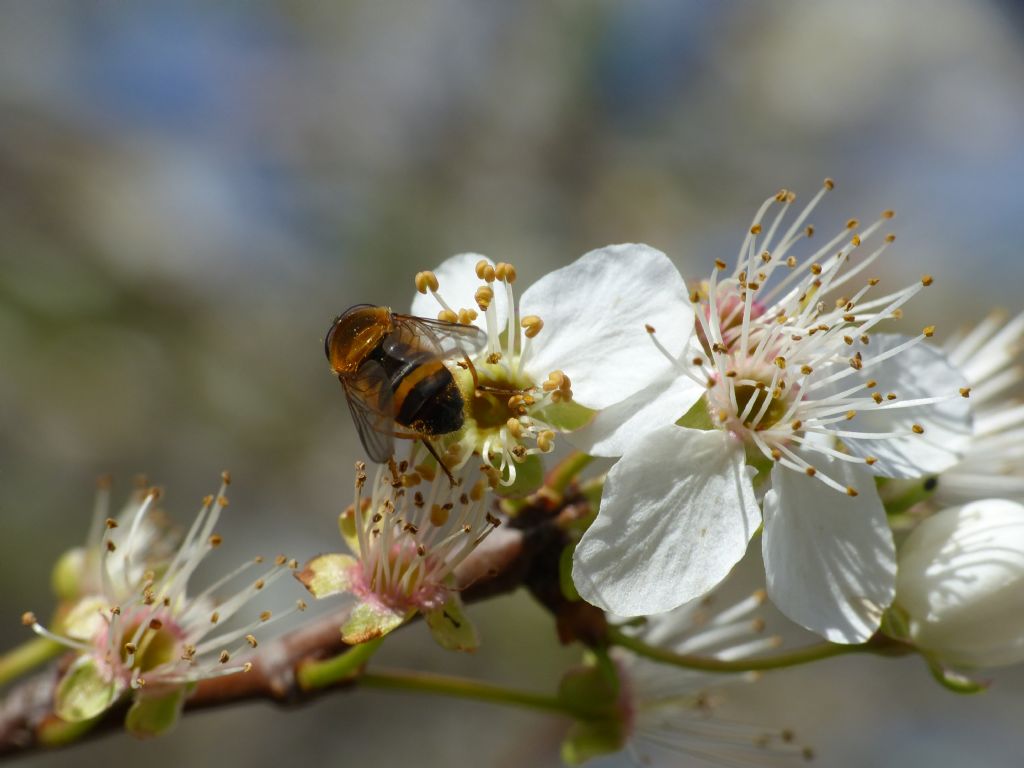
(961, 584)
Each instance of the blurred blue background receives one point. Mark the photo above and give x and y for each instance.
(189, 193)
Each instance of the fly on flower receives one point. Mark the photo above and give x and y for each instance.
(137, 632)
(798, 405)
(392, 369)
(572, 345)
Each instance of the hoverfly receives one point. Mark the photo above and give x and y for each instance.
(392, 369)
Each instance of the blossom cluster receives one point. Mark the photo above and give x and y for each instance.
(779, 399)
(135, 628)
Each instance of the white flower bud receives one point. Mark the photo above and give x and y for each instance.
(961, 583)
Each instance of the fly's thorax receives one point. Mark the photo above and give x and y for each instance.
(355, 335)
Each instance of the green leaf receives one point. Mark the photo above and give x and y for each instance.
(451, 628)
(151, 716)
(368, 621)
(328, 574)
(84, 692)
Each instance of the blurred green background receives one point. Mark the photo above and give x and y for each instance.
(190, 192)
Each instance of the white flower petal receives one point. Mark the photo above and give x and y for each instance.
(919, 372)
(677, 514)
(594, 313)
(616, 428)
(960, 581)
(457, 285)
(829, 558)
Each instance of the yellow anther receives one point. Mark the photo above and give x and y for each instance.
(426, 281)
(485, 270)
(720, 264)
(890, 238)
(531, 325)
(515, 428)
(810, 471)
(467, 316)
(870, 460)
(447, 316)
(926, 280)
(28, 618)
(780, 362)
(852, 224)
(216, 540)
(965, 391)
(251, 640)
(411, 479)
(505, 272)
(929, 331)
(830, 184)
(265, 616)
(224, 657)
(918, 429)
(815, 269)
(484, 296)
(851, 491)
(439, 515)
(855, 241)
(756, 229)
(546, 441)
(877, 397)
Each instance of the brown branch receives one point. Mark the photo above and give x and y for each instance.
(509, 558)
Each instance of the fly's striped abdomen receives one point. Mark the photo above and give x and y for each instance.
(426, 398)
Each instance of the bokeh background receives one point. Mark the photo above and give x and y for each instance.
(189, 192)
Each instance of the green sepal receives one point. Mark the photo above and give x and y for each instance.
(565, 416)
(899, 495)
(697, 417)
(451, 628)
(592, 694)
(529, 477)
(565, 574)
(54, 732)
(83, 620)
(957, 682)
(328, 574)
(155, 715)
(587, 740)
(84, 692)
(347, 528)
(66, 576)
(369, 621)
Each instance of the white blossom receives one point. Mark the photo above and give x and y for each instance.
(961, 584)
(803, 405)
(574, 344)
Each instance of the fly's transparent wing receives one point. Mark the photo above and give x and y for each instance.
(371, 402)
(447, 340)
